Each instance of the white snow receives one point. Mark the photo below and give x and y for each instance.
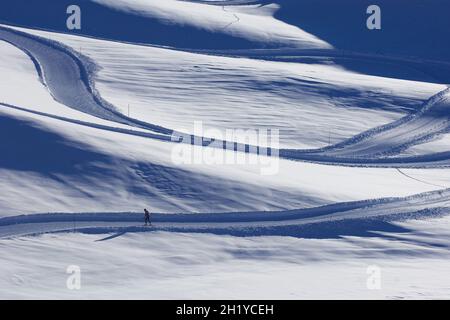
(18, 72)
(227, 188)
(126, 163)
(254, 22)
(440, 144)
(75, 174)
(160, 265)
(312, 105)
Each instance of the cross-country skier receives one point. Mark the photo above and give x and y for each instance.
(147, 217)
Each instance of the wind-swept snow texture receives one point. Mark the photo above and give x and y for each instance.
(86, 124)
(412, 257)
(427, 122)
(171, 22)
(299, 99)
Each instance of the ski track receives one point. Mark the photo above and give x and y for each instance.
(367, 148)
(293, 222)
(236, 17)
(90, 124)
(370, 148)
(432, 119)
(419, 180)
(60, 68)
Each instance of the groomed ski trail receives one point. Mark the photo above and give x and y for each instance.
(336, 217)
(69, 78)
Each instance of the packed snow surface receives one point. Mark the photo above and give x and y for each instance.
(89, 121)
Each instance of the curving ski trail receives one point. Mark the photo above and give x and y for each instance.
(335, 216)
(432, 119)
(68, 77)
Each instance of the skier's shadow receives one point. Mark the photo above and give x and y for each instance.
(115, 235)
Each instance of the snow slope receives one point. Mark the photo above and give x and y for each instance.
(128, 181)
(251, 22)
(409, 27)
(301, 100)
(19, 71)
(93, 169)
(85, 143)
(431, 120)
(440, 144)
(433, 112)
(412, 258)
(175, 23)
(345, 218)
